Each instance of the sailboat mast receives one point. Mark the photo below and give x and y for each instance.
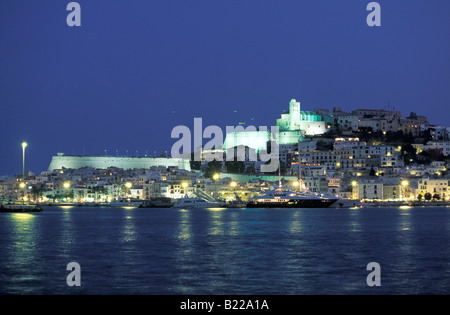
(279, 172)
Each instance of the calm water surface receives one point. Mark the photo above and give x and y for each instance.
(226, 251)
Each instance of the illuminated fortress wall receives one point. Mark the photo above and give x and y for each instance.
(256, 140)
(124, 162)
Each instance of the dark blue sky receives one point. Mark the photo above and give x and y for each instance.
(136, 69)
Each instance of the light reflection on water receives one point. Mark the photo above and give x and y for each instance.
(23, 251)
(226, 251)
(128, 228)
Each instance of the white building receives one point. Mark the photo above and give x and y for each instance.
(345, 143)
(367, 190)
(440, 145)
(348, 122)
(432, 186)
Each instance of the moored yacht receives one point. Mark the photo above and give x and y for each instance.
(280, 198)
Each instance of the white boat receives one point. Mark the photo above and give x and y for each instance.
(344, 203)
(196, 203)
(126, 202)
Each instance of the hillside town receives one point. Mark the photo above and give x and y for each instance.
(365, 155)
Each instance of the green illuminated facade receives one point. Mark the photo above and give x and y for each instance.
(293, 125)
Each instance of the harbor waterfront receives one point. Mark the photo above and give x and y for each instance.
(226, 251)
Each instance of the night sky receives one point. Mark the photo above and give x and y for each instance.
(136, 69)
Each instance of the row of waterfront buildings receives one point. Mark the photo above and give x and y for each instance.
(88, 184)
(322, 151)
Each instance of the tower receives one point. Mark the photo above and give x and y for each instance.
(295, 117)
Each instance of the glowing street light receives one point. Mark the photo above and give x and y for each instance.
(66, 185)
(22, 185)
(24, 145)
(128, 185)
(404, 184)
(184, 187)
(215, 178)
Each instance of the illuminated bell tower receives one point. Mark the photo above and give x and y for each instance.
(295, 117)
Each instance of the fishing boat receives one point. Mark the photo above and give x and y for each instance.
(127, 202)
(157, 202)
(196, 203)
(20, 208)
(236, 204)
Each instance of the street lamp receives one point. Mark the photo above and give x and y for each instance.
(24, 145)
(233, 184)
(22, 185)
(184, 188)
(215, 178)
(295, 184)
(404, 184)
